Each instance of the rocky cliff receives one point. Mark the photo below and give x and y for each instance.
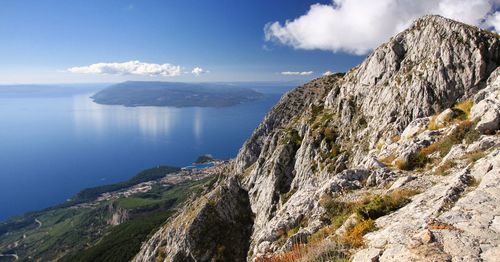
(396, 160)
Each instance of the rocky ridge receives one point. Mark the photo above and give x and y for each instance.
(414, 128)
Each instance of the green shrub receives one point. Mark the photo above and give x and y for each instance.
(474, 156)
(362, 122)
(383, 205)
(337, 211)
(455, 137)
(335, 151)
(334, 207)
(463, 132)
(443, 169)
(415, 160)
(329, 134)
(316, 110)
(293, 137)
(472, 136)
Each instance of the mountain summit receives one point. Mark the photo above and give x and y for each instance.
(396, 160)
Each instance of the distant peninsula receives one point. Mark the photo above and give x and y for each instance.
(203, 159)
(140, 93)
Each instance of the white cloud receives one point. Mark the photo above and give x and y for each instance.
(129, 68)
(493, 21)
(328, 73)
(197, 71)
(290, 73)
(358, 26)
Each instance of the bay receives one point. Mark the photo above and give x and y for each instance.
(52, 146)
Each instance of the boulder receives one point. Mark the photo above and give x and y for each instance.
(415, 127)
(487, 113)
(486, 109)
(444, 117)
(400, 183)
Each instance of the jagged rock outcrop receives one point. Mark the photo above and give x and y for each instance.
(343, 136)
(445, 223)
(487, 106)
(217, 225)
(118, 215)
(423, 70)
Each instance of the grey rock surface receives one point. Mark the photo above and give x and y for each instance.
(328, 137)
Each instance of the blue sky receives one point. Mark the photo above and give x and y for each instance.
(61, 41)
(42, 39)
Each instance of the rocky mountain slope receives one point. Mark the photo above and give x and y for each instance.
(396, 160)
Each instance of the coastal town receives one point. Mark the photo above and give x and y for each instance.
(194, 172)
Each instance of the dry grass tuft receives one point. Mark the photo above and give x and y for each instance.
(382, 205)
(432, 124)
(415, 160)
(388, 160)
(354, 236)
(465, 107)
(474, 156)
(395, 138)
(442, 170)
(319, 252)
(438, 225)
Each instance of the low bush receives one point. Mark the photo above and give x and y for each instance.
(463, 132)
(464, 107)
(474, 156)
(432, 124)
(383, 205)
(337, 211)
(367, 210)
(456, 137)
(293, 137)
(353, 237)
(443, 169)
(317, 252)
(335, 151)
(471, 136)
(388, 160)
(329, 134)
(415, 160)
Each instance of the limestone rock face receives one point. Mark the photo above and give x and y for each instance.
(423, 70)
(217, 225)
(118, 216)
(430, 227)
(342, 137)
(487, 107)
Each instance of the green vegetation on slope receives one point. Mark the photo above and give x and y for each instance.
(84, 233)
(90, 194)
(61, 230)
(123, 241)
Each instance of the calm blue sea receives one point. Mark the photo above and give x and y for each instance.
(53, 145)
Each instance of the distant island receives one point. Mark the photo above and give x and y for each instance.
(137, 93)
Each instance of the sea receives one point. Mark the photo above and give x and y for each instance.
(55, 141)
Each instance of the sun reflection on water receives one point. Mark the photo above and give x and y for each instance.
(150, 121)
